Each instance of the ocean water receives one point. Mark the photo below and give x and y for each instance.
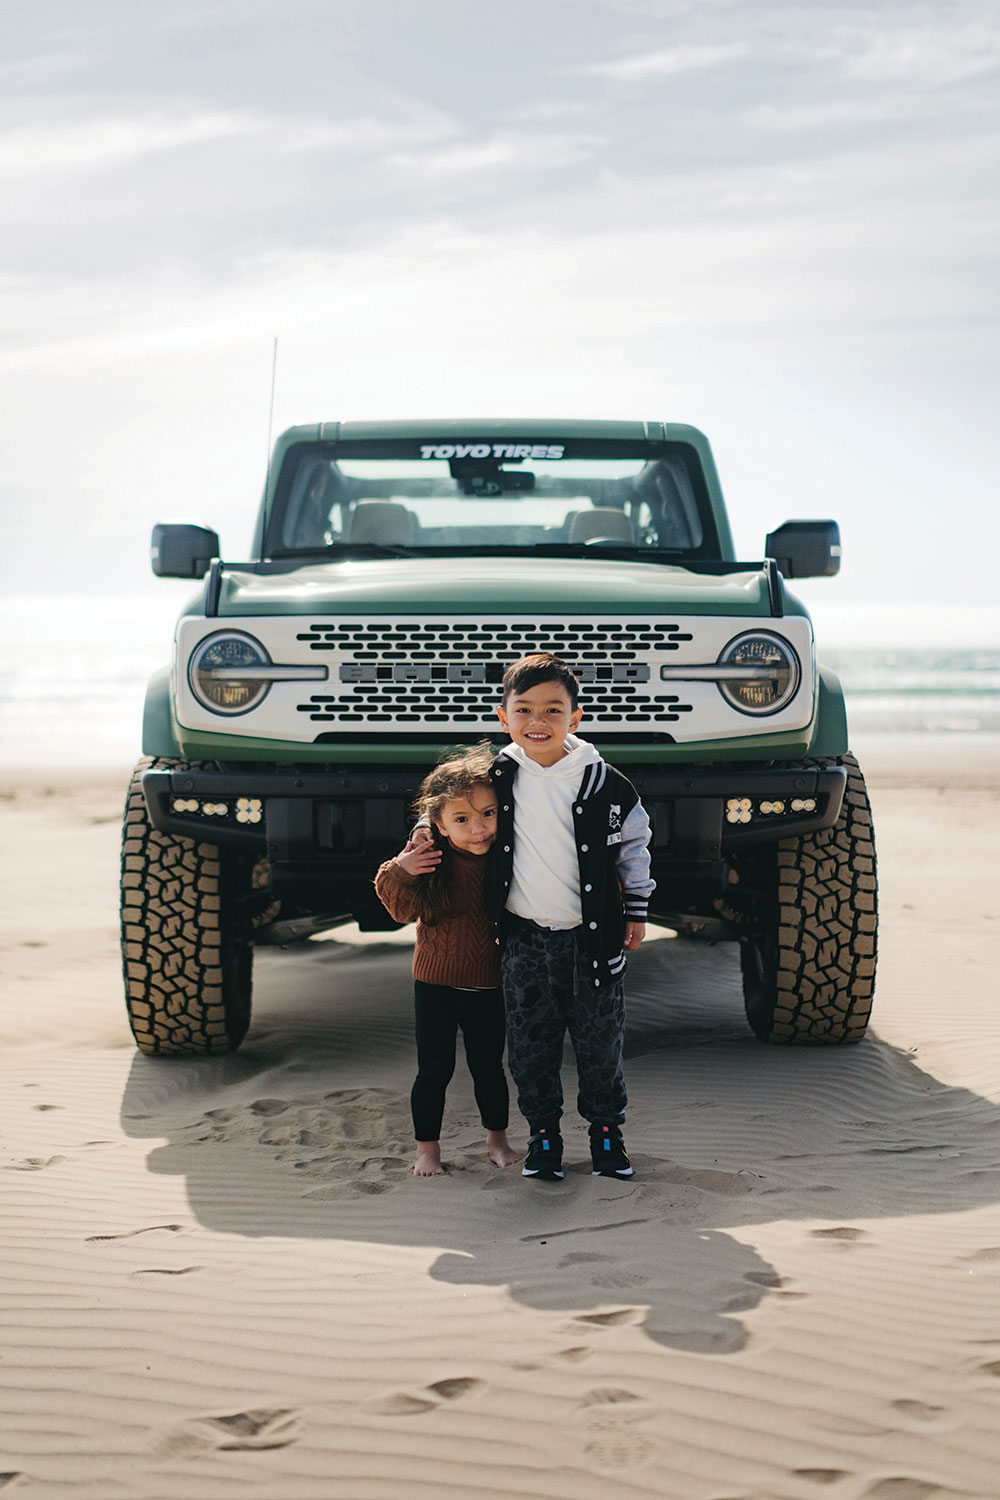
(898, 691)
(73, 672)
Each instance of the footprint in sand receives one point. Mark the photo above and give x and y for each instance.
(260, 1428)
(399, 1404)
(34, 1163)
(613, 1275)
(773, 1282)
(842, 1233)
(164, 1271)
(610, 1414)
(321, 1126)
(404, 1404)
(614, 1319)
(764, 1278)
(453, 1389)
(903, 1487)
(727, 1184)
(620, 1281)
(821, 1476)
(609, 1395)
(618, 1450)
(128, 1234)
(919, 1411)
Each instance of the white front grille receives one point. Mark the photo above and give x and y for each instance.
(434, 675)
(448, 672)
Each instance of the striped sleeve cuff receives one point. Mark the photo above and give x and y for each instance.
(636, 907)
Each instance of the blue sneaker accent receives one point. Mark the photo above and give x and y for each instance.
(544, 1158)
(607, 1151)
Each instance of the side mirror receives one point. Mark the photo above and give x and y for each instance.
(182, 551)
(805, 549)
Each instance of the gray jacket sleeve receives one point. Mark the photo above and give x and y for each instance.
(633, 864)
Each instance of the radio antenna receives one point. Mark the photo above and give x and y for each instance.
(270, 417)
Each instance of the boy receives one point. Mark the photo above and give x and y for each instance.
(567, 887)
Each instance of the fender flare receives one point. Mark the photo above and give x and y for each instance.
(829, 735)
(159, 737)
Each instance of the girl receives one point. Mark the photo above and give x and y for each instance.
(456, 972)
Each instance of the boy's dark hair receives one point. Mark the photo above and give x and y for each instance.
(532, 671)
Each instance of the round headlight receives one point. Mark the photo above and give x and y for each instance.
(221, 672)
(766, 673)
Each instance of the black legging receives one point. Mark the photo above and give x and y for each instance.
(440, 1011)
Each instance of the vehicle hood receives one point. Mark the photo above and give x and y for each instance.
(464, 585)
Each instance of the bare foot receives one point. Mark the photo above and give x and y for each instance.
(501, 1152)
(428, 1162)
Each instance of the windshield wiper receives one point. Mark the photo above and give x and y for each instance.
(334, 549)
(626, 550)
(593, 549)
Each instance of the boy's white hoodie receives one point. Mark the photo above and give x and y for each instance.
(545, 885)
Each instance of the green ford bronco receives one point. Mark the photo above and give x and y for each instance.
(397, 568)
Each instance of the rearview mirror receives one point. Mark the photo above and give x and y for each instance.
(182, 551)
(805, 549)
(484, 479)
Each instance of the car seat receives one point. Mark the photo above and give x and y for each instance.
(603, 523)
(384, 523)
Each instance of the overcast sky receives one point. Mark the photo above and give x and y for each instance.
(772, 220)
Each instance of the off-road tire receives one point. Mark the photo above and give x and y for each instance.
(186, 951)
(809, 961)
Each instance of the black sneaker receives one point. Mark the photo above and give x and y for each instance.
(545, 1150)
(607, 1151)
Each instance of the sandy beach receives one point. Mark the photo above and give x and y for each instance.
(219, 1277)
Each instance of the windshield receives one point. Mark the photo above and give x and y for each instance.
(477, 501)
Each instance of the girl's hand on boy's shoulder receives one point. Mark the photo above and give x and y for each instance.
(634, 934)
(419, 858)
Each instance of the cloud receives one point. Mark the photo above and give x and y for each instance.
(924, 56)
(99, 143)
(880, 48)
(106, 143)
(665, 63)
(509, 150)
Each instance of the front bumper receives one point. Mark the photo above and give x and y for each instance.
(334, 823)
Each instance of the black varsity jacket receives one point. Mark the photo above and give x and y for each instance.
(611, 830)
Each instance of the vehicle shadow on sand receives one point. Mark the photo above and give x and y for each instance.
(306, 1132)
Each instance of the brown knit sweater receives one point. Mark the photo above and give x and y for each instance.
(459, 950)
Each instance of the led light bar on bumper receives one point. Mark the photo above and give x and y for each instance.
(305, 815)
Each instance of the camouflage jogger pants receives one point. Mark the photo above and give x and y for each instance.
(547, 992)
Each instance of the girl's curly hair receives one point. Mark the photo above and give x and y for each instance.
(452, 778)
